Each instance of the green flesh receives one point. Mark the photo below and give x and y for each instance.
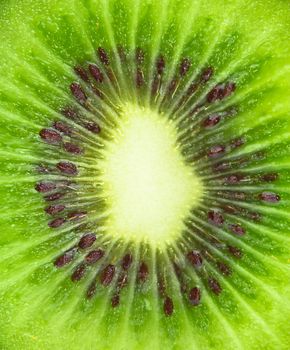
(40, 42)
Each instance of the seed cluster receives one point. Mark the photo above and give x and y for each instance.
(195, 105)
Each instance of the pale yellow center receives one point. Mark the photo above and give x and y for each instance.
(149, 188)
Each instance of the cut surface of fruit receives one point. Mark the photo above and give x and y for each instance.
(144, 179)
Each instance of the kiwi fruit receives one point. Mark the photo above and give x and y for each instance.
(144, 174)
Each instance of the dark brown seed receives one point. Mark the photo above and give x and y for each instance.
(270, 177)
(54, 209)
(50, 136)
(62, 127)
(194, 258)
(53, 197)
(143, 272)
(214, 286)
(216, 151)
(70, 113)
(237, 142)
(215, 217)
(56, 222)
(115, 300)
(87, 241)
(44, 187)
(127, 261)
(65, 259)
(228, 90)
(96, 73)
(78, 273)
(155, 85)
(237, 229)
(94, 256)
(214, 93)
(236, 252)
(82, 73)
(93, 127)
(233, 179)
(160, 65)
(107, 275)
(269, 197)
(104, 58)
(206, 75)
(211, 121)
(224, 269)
(139, 77)
(91, 290)
(192, 88)
(139, 56)
(77, 215)
(78, 93)
(72, 148)
(67, 168)
(184, 66)
(172, 86)
(168, 306)
(194, 296)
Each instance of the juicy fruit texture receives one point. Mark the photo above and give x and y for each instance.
(107, 106)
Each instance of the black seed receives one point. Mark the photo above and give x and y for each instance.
(53, 197)
(91, 290)
(127, 261)
(160, 65)
(94, 256)
(56, 222)
(115, 300)
(194, 258)
(206, 74)
(62, 127)
(194, 296)
(214, 94)
(65, 259)
(96, 73)
(93, 127)
(78, 93)
(50, 136)
(44, 187)
(76, 215)
(237, 229)
(72, 148)
(139, 56)
(236, 252)
(87, 241)
(54, 209)
(216, 151)
(168, 306)
(270, 177)
(184, 66)
(229, 89)
(78, 273)
(215, 217)
(143, 272)
(269, 197)
(82, 73)
(224, 269)
(139, 77)
(214, 286)
(67, 168)
(211, 121)
(107, 275)
(103, 56)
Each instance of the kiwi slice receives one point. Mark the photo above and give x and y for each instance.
(144, 174)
